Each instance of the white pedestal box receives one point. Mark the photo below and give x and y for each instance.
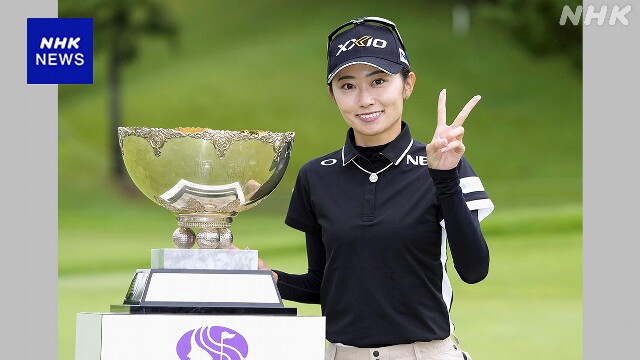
(121, 336)
(200, 304)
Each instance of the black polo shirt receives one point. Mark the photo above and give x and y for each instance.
(385, 280)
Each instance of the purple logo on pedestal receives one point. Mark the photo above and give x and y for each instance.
(212, 343)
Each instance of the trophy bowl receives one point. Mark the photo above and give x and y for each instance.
(205, 177)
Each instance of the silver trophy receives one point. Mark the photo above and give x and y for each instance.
(205, 177)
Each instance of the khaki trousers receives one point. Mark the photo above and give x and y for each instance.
(432, 350)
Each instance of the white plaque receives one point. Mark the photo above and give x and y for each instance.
(230, 288)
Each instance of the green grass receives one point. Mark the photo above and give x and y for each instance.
(261, 65)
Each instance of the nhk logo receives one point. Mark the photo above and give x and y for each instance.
(362, 42)
(53, 58)
(59, 51)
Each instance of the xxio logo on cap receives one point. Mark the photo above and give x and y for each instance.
(59, 51)
(212, 343)
(363, 41)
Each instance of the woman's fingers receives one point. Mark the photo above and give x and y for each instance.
(442, 108)
(449, 138)
(456, 145)
(436, 144)
(465, 111)
(439, 143)
(262, 265)
(455, 134)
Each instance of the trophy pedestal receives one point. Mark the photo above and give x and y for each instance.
(108, 336)
(195, 313)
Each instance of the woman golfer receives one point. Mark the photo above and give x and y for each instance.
(378, 212)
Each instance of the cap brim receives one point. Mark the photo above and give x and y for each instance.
(387, 66)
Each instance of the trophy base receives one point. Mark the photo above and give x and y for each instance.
(203, 310)
(219, 259)
(181, 281)
(203, 292)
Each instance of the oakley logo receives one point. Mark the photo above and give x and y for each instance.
(328, 162)
(362, 42)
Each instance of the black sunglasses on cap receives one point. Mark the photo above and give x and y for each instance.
(368, 19)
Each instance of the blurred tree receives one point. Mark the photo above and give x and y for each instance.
(536, 24)
(119, 26)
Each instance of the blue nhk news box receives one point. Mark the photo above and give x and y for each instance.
(59, 51)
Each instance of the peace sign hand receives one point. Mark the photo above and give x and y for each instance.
(446, 148)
